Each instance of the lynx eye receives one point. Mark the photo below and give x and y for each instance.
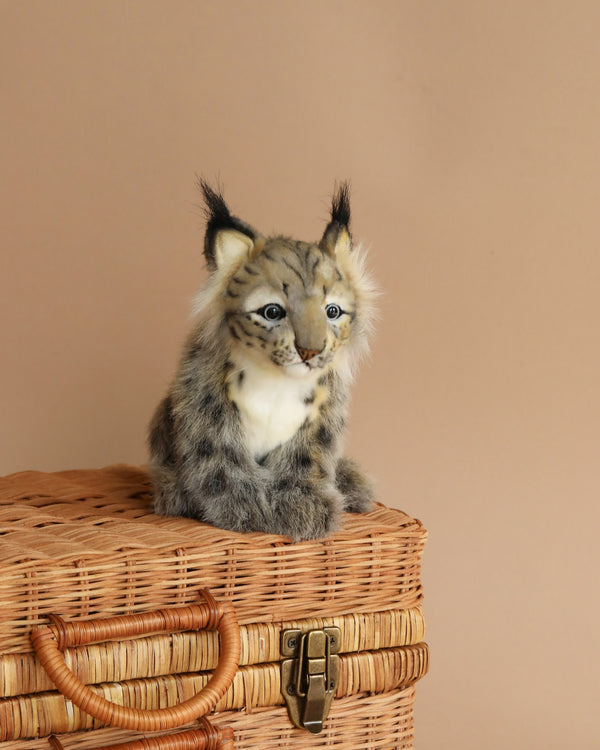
(272, 312)
(333, 311)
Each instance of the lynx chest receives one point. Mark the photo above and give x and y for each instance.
(272, 405)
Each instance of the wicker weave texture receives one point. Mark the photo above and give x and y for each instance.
(83, 544)
(253, 687)
(182, 652)
(382, 721)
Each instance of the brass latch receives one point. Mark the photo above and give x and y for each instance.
(310, 678)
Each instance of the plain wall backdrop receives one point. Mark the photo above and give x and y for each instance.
(470, 132)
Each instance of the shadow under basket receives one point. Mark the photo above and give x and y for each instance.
(120, 626)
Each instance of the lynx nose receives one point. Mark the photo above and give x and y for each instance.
(306, 354)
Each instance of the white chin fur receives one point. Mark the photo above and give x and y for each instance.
(300, 369)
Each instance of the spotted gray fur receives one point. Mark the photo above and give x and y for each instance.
(201, 458)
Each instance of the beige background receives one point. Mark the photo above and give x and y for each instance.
(471, 133)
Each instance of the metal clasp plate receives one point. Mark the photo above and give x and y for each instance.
(310, 677)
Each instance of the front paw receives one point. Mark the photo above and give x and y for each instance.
(356, 488)
(302, 510)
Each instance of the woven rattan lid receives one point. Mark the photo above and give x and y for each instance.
(85, 544)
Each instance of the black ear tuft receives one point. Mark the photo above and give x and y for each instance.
(218, 217)
(337, 232)
(217, 212)
(340, 205)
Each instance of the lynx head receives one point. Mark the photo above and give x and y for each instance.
(285, 303)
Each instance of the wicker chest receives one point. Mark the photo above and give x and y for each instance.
(132, 625)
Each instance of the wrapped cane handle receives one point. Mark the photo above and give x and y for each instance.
(205, 737)
(48, 640)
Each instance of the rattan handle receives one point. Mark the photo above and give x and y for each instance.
(206, 737)
(48, 640)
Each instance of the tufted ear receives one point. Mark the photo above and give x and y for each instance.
(337, 238)
(228, 240)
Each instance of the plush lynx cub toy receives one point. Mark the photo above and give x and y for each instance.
(248, 436)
